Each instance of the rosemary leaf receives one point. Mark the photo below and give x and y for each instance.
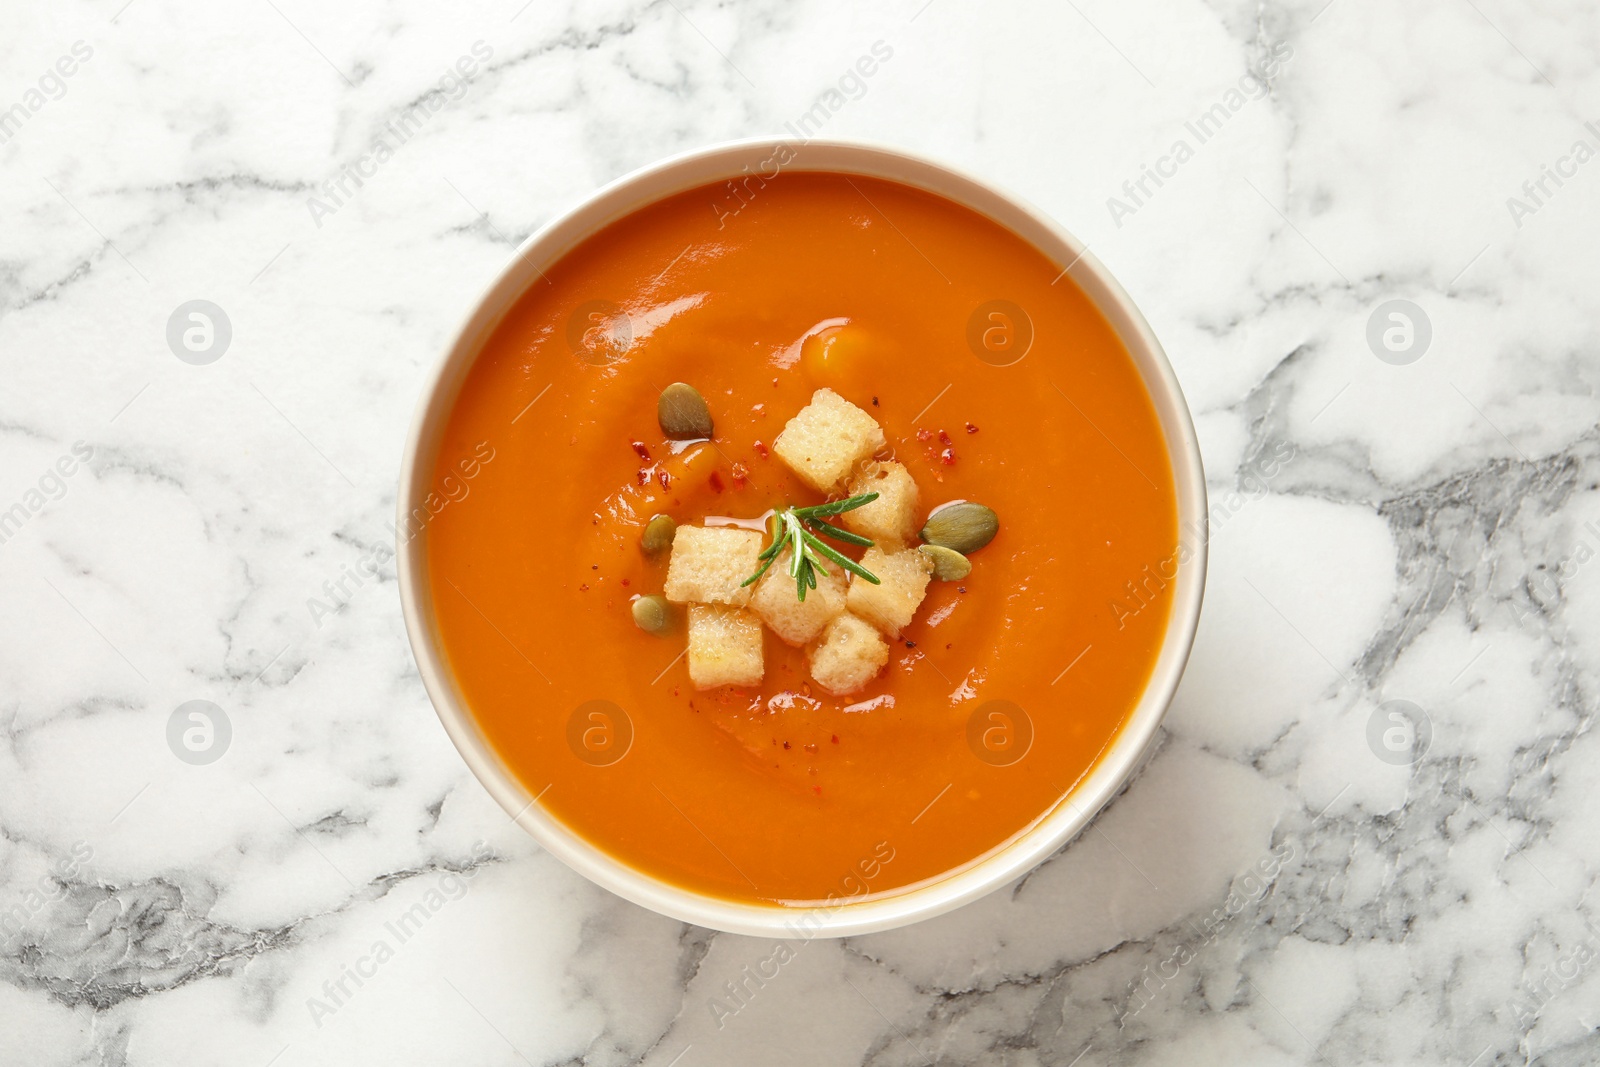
(845, 561)
(837, 507)
(807, 552)
(840, 535)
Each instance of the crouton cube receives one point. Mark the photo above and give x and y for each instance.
(793, 620)
(709, 562)
(849, 655)
(724, 647)
(890, 606)
(825, 440)
(893, 516)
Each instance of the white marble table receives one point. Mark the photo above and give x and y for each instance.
(1288, 881)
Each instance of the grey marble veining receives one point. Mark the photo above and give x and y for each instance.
(1296, 876)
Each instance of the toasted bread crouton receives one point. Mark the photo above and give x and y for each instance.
(890, 606)
(724, 647)
(793, 620)
(709, 562)
(849, 654)
(891, 518)
(823, 443)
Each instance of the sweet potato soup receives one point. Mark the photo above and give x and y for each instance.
(841, 334)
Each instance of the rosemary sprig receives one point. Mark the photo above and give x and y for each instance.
(807, 552)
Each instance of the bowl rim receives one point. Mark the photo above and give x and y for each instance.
(1054, 828)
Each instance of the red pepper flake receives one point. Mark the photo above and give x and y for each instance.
(774, 383)
(715, 481)
(836, 739)
(664, 478)
(624, 581)
(961, 589)
(971, 428)
(786, 746)
(874, 401)
(583, 588)
(817, 789)
(761, 450)
(911, 644)
(741, 474)
(924, 435)
(594, 566)
(944, 437)
(948, 457)
(640, 450)
(644, 475)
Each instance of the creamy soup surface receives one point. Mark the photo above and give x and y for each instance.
(997, 698)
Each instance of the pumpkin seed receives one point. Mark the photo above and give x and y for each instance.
(683, 414)
(653, 614)
(948, 564)
(962, 527)
(658, 534)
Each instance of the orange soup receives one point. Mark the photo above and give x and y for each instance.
(994, 379)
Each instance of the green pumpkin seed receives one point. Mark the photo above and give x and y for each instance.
(683, 414)
(658, 534)
(948, 564)
(963, 527)
(653, 614)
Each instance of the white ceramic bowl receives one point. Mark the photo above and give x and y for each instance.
(895, 908)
